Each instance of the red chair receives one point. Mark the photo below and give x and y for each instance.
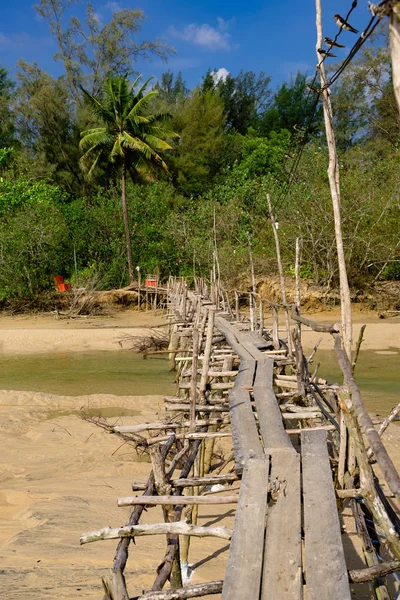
(61, 285)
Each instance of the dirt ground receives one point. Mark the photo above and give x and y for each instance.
(60, 476)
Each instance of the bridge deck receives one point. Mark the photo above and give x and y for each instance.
(265, 559)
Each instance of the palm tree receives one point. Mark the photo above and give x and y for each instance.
(127, 136)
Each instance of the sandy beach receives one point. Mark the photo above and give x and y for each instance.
(60, 475)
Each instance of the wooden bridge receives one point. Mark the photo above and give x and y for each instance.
(301, 448)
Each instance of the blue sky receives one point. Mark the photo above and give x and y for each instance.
(277, 37)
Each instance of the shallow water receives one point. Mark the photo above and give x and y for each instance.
(121, 373)
(377, 375)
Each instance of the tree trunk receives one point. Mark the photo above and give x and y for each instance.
(126, 222)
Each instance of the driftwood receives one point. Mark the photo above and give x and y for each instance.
(381, 570)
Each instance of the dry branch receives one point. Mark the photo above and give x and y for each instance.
(189, 591)
(177, 528)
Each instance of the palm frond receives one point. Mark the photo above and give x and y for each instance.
(141, 104)
(98, 110)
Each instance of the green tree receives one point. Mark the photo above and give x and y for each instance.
(245, 97)
(7, 129)
(292, 108)
(47, 121)
(91, 51)
(129, 137)
(200, 122)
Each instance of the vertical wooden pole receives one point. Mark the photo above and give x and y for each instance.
(251, 304)
(275, 327)
(253, 279)
(281, 274)
(193, 383)
(237, 311)
(342, 451)
(261, 317)
(207, 353)
(334, 183)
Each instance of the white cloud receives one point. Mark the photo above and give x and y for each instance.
(211, 38)
(113, 6)
(220, 75)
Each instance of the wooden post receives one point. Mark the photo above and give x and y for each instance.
(139, 281)
(342, 450)
(261, 318)
(253, 279)
(237, 312)
(334, 183)
(275, 325)
(193, 383)
(251, 305)
(281, 274)
(207, 353)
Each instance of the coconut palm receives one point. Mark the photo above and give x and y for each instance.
(128, 136)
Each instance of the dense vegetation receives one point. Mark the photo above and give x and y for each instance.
(216, 149)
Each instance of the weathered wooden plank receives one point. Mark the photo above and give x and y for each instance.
(325, 566)
(269, 414)
(282, 571)
(259, 342)
(243, 573)
(245, 438)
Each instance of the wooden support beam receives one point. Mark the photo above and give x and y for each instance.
(199, 407)
(194, 481)
(177, 528)
(167, 426)
(176, 500)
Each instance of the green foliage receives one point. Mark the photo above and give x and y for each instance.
(200, 124)
(7, 126)
(244, 97)
(31, 250)
(263, 155)
(291, 108)
(16, 194)
(127, 131)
